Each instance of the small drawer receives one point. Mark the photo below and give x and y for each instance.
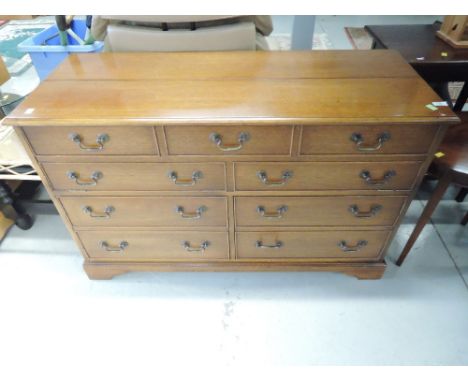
(229, 140)
(414, 139)
(303, 176)
(154, 245)
(66, 140)
(136, 176)
(157, 211)
(343, 245)
(306, 211)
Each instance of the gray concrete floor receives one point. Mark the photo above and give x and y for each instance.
(415, 315)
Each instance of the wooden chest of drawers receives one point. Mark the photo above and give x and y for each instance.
(232, 161)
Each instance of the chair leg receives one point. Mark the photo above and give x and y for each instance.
(464, 220)
(442, 186)
(461, 194)
(11, 210)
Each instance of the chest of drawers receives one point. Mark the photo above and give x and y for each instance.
(274, 161)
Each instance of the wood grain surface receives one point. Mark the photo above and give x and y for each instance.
(300, 111)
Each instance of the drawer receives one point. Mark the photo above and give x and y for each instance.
(301, 176)
(411, 139)
(90, 140)
(158, 211)
(154, 245)
(136, 176)
(343, 245)
(229, 140)
(318, 211)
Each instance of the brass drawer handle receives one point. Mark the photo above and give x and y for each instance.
(108, 248)
(190, 215)
(359, 140)
(366, 175)
(185, 182)
(106, 215)
(100, 140)
(352, 248)
(272, 215)
(93, 181)
(218, 140)
(285, 176)
(259, 244)
(204, 245)
(374, 209)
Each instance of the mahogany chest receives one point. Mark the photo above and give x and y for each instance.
(274, 161)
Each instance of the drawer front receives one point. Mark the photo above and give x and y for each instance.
(415, 139)
(343, 245)
(301, 176)
(159, 211)
(229, 140)
(154, 245)
(90, 140)
(136, 176)
(318, 211)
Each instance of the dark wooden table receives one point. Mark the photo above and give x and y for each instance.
(436, 61)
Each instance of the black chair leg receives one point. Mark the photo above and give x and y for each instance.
(461, 194)
(11, 210)
(464, 220)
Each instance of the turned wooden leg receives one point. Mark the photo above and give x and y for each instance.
(461, 195)
(442, 186)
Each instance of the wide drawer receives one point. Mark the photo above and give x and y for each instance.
(410, 139)
(228, 140)
(90, 140)
(158, 211)
(136, 176)
(299, 176)
(343, 245)
(304, 211)
(154, 245)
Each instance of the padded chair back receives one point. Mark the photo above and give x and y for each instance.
(182, 33)
(240, 36)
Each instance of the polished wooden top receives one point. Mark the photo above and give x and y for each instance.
(239, 87)
(233, 65)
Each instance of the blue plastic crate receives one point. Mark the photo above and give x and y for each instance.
(47, 53)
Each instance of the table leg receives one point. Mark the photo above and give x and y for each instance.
(461, 100)
(11, 210)
(461, 194)
(442, 90)
(442, 186)
(465, 220)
